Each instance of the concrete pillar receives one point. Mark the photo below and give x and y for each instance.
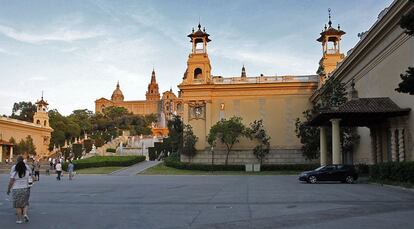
(336, 142)
(11, 153)
(1, 153)
(373, 146)
(401, 145)
(323, 146)
(379, 144)
(394, 155)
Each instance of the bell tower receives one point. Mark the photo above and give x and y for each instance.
(198, 64)
(330, 39)
(41, 116)
(153, 93)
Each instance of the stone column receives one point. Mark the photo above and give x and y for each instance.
(336, 142)
(379, 145)
(401, 146)
(11, 153)
(373, 145)
(323, 146)
(1, 153)
(394, 155)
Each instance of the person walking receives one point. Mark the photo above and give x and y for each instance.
(19, 185)
(58, 170)
(37, 170)
(71, 168)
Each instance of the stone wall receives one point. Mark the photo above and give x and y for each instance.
(276, 156)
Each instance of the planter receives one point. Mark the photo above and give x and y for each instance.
(256, 167)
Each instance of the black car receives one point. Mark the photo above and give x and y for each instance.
(343, 173)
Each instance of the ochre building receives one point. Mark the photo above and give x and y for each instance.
(277, 100)
(168, 104)
(39, 131)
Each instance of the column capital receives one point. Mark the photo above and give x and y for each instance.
(334, 120)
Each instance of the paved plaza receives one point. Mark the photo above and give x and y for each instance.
(93, 201)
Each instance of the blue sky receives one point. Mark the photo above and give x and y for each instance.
(76, 51)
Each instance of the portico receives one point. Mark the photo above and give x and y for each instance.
(382, 116)
(4, 148)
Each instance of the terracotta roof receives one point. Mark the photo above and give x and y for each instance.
(370, 105)
(361, 112)
(330, 32)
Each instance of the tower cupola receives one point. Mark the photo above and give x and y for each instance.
(41, 116)
(330, 39)
(153, 93)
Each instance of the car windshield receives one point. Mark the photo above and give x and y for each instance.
(320, 168)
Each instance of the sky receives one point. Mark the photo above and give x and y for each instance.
(76, 51)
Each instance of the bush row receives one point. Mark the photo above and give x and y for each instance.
(105, 161)
(393, 171)
(111, 150)
(174, 162)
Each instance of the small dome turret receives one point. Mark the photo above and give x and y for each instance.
(117, 94)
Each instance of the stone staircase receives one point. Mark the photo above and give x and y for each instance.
(101, 151)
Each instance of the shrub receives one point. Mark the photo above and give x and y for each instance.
(111, 150)
(105, 161)
(393, 171)
(174, 162)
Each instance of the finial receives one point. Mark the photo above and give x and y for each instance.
(199, 26)
(42, 94)
(204, 29)
(339, 27)
(193, 30)
(325, 27)
(329, 22)
(117, 84)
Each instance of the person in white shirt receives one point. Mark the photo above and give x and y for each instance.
(19, 184)
(58, 170)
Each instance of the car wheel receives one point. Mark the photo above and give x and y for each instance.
(312, 179)
(349, 179)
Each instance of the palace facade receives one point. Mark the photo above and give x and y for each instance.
(164, 107)
(277, 100)
(39, 131)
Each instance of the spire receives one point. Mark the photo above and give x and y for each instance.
(329, 22)
(243, 73)
(171, 89)
(117, 84)
(199, 26)
(153, 80)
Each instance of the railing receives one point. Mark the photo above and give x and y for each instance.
(199, 51)
(264, 79)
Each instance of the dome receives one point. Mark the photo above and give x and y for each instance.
(117, 94)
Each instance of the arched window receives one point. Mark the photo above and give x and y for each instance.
(198, 73)
(38, 122)
(44, 123)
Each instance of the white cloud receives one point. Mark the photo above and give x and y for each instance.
(61, 34)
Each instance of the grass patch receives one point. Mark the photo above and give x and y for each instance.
(161, 169)
(100, 170)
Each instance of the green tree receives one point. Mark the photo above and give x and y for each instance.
(30, 148)
(407, 83)
(175, 133)
(23, 111)
(257, 132)
(82, 118)
(189, 141)
(228, 132)
(334, 95)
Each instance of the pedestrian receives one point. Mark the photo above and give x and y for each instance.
(19, 185)
(54, 163)
(50, 163)
(37, 170)
(58, 170)
(71, 168)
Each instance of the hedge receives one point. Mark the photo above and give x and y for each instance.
(175, 163)
(393, 171)
(111, 150)
(105, 161)
(152, 155)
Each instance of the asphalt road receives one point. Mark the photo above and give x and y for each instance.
(209, 202)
